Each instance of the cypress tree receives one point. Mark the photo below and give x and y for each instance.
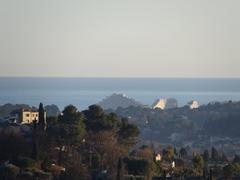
(41, 117)
(120, 169)
(206, 156)
(214, 155)
(34, 154)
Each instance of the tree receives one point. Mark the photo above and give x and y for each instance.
(138, 166)
(144, 152)
(41, 117)
(206, 156)
(105, 145)
(214, 155)
(168, 153)
(108, 137)
(34, 154)
(236, 159)
(224, 157)
(9, 172)
(198, 162)
(228, 171)
(71, 127)
(12, 144)
(183, 152)
(25, 162)
(128, 134)
(232, 169)
(94, 112)
(120, 169)
(175, 152)
(96, 120)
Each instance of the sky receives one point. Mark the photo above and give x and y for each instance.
(124, 38)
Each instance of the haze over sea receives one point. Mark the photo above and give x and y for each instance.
(83, 92)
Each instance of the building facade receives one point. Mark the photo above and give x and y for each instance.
(27, 116)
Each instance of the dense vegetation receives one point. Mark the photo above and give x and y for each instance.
(98, 145)
(214, 119)
(74, 145)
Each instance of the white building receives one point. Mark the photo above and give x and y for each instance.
(193, 104)
(165, 103)
(160, 103)
(158, 157)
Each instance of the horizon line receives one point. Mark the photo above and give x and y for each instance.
(118, 77)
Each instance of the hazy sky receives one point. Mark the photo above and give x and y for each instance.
(124, 38)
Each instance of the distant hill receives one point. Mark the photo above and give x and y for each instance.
(52, 110)
(216, 119)
(118, 100)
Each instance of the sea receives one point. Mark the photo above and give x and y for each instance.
(82, 92)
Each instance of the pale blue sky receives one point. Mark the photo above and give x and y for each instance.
(124, 38)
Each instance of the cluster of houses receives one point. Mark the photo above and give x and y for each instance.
(22, 116)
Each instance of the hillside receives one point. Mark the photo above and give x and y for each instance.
(118, 100)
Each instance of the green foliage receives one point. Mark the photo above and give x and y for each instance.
(128, 134)
(120, 169)
(74, 171)
(41, 117)
(12, 144)
(231, 170)
(206, 156)
(138, 166)
(39, 174)
(224, 157)
(46, 164)
(215, 155)
(106, 138)
(96, 120)
(168, 153)
(52, 120)
(236, 159)
(35, 148)
(225, 125)
(183, 152)
(144, 152)
(52, 111)
(25, 162)
(95, 161)
(70, 128)
(9, 172)
(198, 162)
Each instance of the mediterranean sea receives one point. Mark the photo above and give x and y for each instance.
(83, 92)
